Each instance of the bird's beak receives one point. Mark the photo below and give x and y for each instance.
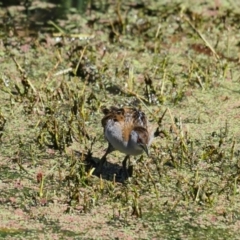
(145, 149)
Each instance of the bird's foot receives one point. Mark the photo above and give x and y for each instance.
(127, 172)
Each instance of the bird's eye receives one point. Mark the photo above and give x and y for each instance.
(139, 140)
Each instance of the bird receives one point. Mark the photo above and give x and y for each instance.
(127, 130)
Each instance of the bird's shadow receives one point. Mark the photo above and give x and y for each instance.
(110, 171)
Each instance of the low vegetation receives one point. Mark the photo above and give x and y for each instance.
(179, 62)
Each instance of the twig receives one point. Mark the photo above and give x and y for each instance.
(202, 37)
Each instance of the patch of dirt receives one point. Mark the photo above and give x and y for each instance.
(178, 57)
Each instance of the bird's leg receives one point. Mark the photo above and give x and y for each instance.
(104, 158)
(124, 164)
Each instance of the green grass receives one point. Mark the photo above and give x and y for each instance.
(180, 58)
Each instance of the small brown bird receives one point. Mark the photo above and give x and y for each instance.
(126, 130)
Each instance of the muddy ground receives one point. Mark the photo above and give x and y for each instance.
(180, 58)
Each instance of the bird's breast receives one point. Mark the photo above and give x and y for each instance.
(120, 140)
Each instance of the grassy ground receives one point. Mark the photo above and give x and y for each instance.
(181, 57)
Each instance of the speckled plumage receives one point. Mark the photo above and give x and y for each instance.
(126, 130)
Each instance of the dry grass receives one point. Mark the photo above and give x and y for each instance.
(181, 58)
